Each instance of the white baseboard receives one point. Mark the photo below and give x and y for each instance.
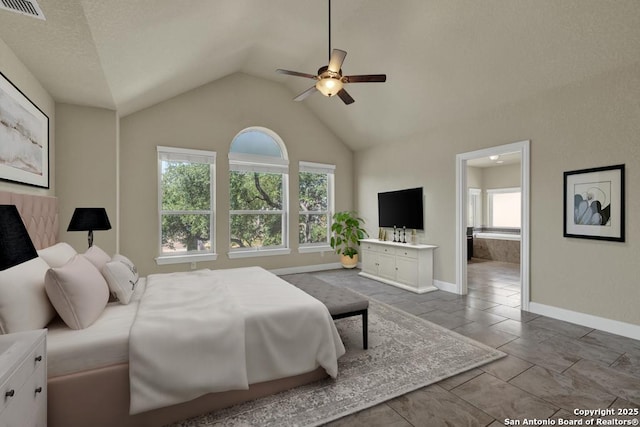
(612, 326)
(306, 268)
(445, 286)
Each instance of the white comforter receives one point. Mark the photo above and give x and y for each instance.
(208, 331)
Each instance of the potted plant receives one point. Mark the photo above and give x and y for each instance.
(347, 231)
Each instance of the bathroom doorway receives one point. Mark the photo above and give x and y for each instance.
(492, 213)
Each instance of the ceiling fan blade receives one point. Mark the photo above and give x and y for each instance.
(346, 98)
(305, 94)
(296, 73)
(367, 78)
(336, 60)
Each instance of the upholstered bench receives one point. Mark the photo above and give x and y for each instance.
(340, 302)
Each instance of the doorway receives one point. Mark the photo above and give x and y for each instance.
(462, 213)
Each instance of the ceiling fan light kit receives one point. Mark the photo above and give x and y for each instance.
(330, 81)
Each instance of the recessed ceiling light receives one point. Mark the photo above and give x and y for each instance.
(495, 157)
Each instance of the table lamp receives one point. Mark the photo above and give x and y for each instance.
(89, 219)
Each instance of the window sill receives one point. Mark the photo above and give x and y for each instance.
(258, 252)
(314, 249)
(183, 259)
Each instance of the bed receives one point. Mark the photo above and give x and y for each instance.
(89, 368)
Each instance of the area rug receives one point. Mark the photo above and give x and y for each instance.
(405, 353)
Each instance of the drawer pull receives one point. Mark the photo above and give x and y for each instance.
(10, 393)
(38, 358)
(39, 390)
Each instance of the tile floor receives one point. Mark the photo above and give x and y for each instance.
(552, 368)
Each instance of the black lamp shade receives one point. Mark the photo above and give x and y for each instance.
(89, 219)
(15, 244)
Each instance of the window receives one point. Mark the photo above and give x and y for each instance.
(474, 209)
(316, 206)
(258, 191)
(504, 207)
(186, 205)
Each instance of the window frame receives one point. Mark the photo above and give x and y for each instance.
(186, 155)
(490, 193)
(323, 169)
(474, 204)
(245, 162)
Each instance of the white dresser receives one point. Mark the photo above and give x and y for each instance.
(23, 379)
(402, 265)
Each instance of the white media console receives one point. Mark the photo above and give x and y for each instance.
(403, 265)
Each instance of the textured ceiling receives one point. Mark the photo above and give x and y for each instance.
(444, 59)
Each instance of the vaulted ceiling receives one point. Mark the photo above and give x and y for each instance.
(444, 59)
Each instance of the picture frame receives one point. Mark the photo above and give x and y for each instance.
(594, 203)
(24, 138)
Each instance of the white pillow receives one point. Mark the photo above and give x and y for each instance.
(78, 292)
(58, 254)
(23, 301)
(122, 277)
(97, 256)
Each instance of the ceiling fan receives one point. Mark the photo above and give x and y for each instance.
(330, 80)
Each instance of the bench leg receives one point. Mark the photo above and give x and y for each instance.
(365, 329)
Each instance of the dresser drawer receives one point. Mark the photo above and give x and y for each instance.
(409, 253)
(370, 247)
(387, 250)
(35, 360)
(28, 406)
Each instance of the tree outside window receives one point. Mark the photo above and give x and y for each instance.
(256, 209)
(258, 191)
(316, 204)
(186, 179)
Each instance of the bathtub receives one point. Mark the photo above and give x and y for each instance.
(497, 246)
(497, 236)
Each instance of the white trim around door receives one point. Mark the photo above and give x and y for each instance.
(461, 214)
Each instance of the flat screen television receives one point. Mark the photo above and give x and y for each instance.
(402, 208)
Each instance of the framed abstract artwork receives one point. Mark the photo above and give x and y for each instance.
(594, 203)
(24, 138)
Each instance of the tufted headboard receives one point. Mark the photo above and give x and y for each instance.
(39, 214)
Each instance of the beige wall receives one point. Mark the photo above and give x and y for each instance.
(86, 170)
(21, 77)
(208, 118)
(507, 176)
(474, 177)
(588, 124)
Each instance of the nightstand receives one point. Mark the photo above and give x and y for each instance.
(23, 379)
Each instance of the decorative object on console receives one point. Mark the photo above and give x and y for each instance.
(15, 244)
(347, 232)
(89, 219)
(24, 132)
(594, 203)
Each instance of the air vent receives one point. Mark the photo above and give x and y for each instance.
(23, 7)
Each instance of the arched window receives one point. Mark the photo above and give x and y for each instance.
(258, 193)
